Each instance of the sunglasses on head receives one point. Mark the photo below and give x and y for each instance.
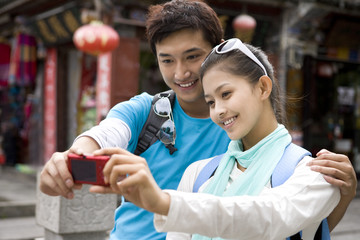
(167, 132)
(233, 44)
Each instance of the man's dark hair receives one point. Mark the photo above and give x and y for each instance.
(165, 19)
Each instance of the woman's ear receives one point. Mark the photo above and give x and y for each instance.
(265, 85)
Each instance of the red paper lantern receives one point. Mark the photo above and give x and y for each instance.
(96, 38)
(244, 26)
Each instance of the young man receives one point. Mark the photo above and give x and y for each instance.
(181, 34)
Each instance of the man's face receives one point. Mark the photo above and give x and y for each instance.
(180, 56)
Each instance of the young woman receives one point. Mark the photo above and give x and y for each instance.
(238, 201)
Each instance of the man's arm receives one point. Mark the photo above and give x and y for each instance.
(55, 178)
(338, 171)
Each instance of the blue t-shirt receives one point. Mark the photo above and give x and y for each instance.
(196, 139)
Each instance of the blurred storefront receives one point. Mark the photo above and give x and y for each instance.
(324, 73)
(48, 87)
(312, 44)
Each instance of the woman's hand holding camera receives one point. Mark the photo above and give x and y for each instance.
(130, 176)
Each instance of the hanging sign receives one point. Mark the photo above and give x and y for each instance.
(103, 86)
(57, 28)
(50, 104)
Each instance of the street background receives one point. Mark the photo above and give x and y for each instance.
(51, 91)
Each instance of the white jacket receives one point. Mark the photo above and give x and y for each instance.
(301, 203)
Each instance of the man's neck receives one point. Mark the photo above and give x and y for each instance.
(197, 109)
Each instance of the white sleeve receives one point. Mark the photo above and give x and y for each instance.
(191, 173)
(111, 132)
(303, 200)
(186, 185)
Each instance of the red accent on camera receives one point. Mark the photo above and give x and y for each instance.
(87, 169)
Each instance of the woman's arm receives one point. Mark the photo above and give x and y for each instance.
(302, 201)
(338, 171)
(129, 175)
(186, 185)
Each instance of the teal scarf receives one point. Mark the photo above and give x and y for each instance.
(259, 161)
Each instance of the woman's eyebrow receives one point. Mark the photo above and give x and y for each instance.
(217, 89)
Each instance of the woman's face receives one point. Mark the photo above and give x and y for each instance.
(235, 105)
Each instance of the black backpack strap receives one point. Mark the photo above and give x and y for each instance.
(318, 235)
(296, 236)
(323, 232)
(148, 134)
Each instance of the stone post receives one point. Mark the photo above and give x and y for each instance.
(88, 216)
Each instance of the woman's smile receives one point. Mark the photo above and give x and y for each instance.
(229, 122)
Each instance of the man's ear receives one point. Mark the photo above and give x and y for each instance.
(265, 85)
